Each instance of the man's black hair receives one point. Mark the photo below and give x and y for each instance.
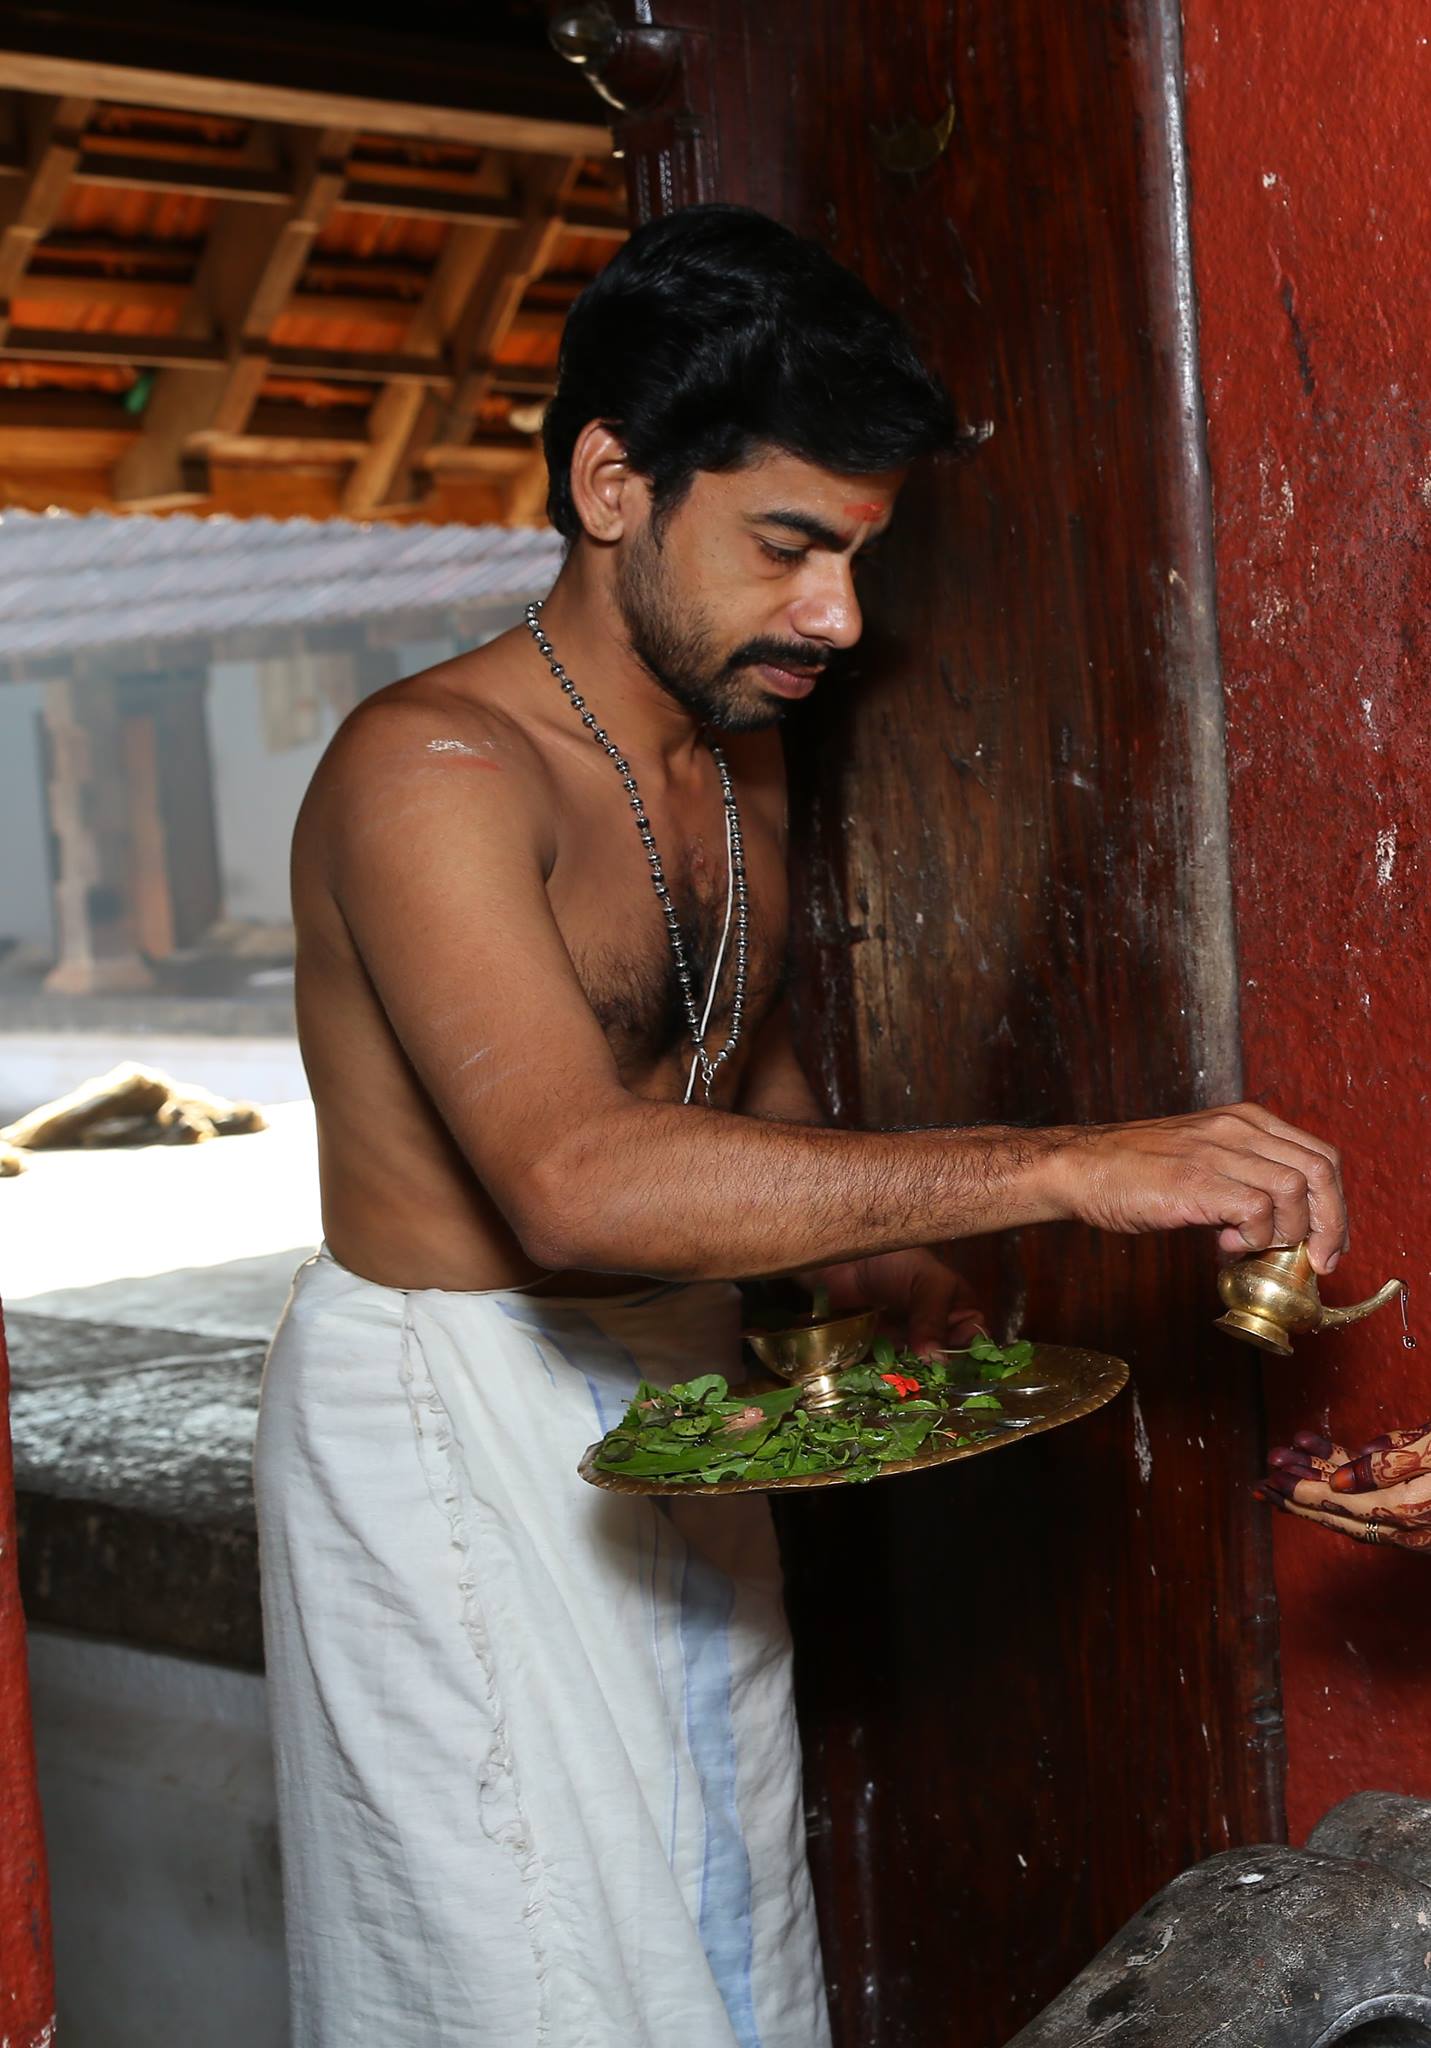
(716, 331)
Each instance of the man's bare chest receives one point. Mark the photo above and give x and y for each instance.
(616, 934)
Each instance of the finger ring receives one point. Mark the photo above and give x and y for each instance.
(1373, 1533)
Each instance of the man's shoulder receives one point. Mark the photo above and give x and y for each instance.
(435, 753)
(449, 716)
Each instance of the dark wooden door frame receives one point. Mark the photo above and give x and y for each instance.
(1031, 1693)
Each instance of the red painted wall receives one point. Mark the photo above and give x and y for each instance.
(1310, 152)
(27, 1992)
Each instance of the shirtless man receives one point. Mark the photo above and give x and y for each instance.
(538, 1771)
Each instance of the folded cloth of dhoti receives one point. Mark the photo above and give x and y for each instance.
(538, 1769)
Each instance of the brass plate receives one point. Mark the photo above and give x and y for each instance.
(1063, 1384)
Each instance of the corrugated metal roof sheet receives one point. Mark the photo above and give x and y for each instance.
(71, 583)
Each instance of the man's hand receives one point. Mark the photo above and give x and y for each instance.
(1261, 1181)
(1384, 1488)
(926, 1304)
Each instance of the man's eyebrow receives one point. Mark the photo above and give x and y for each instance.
(815, 530)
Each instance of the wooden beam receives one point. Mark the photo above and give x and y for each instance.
(527, 493)
(171, 295)
(155, 351)
(447, 119)
(359, 366)
(30, 208)
(209, 356)
(247, 273)
(257, 182)
(66, 447)
(74, 288)
(596, 222)
(525, 255)
(286, 451)
(289, 419)
(495, 455)
(468, 209)
(65, 246)
(204, 179)
(382, 476)
(63, 409)
(491, 308)
(544, 321)
(522, 380)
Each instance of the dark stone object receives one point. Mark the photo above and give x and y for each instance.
(134, 1496)
(1272, 1947)
(142, 1579)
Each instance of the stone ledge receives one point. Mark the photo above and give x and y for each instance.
(151, 1015)
(142, 1579)
(133, 1452)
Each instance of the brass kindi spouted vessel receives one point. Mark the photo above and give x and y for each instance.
(1272, 1296)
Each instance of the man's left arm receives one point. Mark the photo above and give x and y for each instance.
(926, 1303)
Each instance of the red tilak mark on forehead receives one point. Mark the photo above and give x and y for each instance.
(864, 512)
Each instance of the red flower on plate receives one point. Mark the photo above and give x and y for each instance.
(901, 1382)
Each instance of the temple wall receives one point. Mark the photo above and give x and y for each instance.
(25, 912)
(157, 1784)
(1311, 168)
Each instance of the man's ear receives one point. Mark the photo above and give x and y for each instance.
(607, 493)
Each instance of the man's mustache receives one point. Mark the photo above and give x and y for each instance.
(779, 654)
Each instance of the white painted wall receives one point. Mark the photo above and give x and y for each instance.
(24, 875)
(156, 1781)
(256, 794)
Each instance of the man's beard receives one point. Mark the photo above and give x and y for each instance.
(674, 643)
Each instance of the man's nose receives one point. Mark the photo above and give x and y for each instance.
(830, 611)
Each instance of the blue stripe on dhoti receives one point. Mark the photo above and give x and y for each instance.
(707, 1597)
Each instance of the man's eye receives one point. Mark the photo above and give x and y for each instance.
(786, 555)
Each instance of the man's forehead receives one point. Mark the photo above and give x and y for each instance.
(861, 499)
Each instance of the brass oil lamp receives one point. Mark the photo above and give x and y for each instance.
(1272, 1296)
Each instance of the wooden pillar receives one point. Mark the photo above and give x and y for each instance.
(1032, 1689)
(27, 1989)
(175, 864)
(90, 819)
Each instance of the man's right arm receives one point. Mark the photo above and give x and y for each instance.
(434, 861)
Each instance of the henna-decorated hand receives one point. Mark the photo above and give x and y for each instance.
(1382, 1494)
(926, 1304)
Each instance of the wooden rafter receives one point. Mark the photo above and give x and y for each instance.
(407, 433)
(250, 265)
(265, 186)
(474, 354)
(404, 425)
(400, 406)
(526, 500)
(258, 183)
(368, 361)
(32, 204)
(170, 295)
(447, 120)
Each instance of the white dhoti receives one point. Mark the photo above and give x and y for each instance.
(539, 1775)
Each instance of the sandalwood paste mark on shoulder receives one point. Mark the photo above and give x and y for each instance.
(461, 749)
